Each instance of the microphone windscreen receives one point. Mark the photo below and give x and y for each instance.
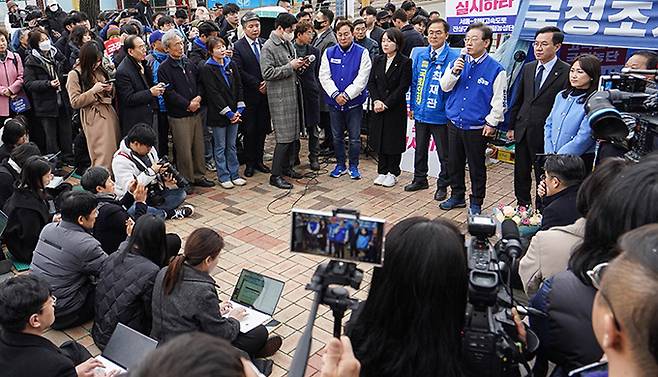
(510, 230)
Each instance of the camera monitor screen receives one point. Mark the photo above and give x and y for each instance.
(339, 237)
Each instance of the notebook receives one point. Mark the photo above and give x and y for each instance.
(126, 349)
(258, 295)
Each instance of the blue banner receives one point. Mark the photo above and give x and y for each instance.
(243, 4)
(613, 23)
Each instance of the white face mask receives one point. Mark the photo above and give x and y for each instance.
(53, 7)
(288, 36)
(45, 45)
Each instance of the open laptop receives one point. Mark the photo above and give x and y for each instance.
(126, 349)
(259, 295)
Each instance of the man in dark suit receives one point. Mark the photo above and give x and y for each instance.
(412, 38)
(541, 81)
(559, 188)
(257, 123)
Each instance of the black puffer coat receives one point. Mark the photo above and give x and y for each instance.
(123, 294)
(46, 100)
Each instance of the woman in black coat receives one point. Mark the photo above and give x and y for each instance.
(27, 209)
(45, 78)
(390, 78)
(223, 94)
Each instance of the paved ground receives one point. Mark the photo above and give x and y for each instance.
(258, 240)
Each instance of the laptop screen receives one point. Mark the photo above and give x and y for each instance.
(257, 291)
(127, 347)
(3, 222)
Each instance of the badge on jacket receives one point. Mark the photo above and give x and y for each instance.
(335, 60)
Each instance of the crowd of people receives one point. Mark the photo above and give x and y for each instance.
(115, 99)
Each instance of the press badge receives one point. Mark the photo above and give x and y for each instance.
(335, 60)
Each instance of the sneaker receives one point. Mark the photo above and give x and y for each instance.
(389, 181)
(239, 181)
(354, 172)
(452, 203)
(183, 211)
(210, 165)
(475, 209)
(380, 179)
(338, 171)
(227, 184)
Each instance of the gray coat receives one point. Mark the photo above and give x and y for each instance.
(67, 256)
(322, 42)
(193, 305)
(283, 88)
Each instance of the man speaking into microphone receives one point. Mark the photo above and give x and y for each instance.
(476, 84)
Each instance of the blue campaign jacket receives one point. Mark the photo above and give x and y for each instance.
(427, 100)
(345, 66)
(469, 102)
(567, 128)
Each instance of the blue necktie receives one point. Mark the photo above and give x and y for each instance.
(433, 56)
(538, 77)
(255, 45)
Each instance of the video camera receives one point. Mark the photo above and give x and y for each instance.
(490, 346)
(625, 112)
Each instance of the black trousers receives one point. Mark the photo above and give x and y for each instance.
(284, 154)
(313, 143)
(439, 132)
(389, 163)
(163, 134)
(58, 134)
(77, 318)
(471, 145)
(525, 161)
(256, 126)
(325, 124)
(253, 341)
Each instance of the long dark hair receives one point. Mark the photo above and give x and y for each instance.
(32, 175)
(596, 183)
(592, 66)
(90, 55)
(201, 244)
(416, 303)
(630, 202)
(149, 239)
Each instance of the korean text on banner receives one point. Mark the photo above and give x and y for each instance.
(500, 15)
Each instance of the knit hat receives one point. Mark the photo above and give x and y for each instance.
(112, 31)
(155, 36)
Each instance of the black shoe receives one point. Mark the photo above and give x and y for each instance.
(293, 174)
(261, 167)
(279, 182)
(326, 152)
(189, 190)
(417, 185)
(440, 194)
(264, 366)
(297, 162)
(315, 165)
(249, 171)
(270, 348)
(204, 182)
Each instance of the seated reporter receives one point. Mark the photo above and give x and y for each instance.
(559, 187)
(113, 217)
(138, 160)
(26, 312)
(125, 284)
(14, 133)
(10, 169)
(627, 333)
(68, 257)
(566, 336)
(185, 300)
(549, 250)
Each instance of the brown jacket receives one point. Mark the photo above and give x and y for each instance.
(549, 253)
(100, 122)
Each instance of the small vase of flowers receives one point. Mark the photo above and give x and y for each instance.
(527, 218)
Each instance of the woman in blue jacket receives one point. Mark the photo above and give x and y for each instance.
(567, 129)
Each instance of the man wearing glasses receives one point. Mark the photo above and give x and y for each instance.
(476, 84)
(427, 106)
(541, 81)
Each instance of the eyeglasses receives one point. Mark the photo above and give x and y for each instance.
(473, 39)
(542, 44)
(596, 275)
(544, 176)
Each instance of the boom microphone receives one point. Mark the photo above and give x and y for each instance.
(511, 238)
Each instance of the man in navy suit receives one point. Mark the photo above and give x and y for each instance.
(256, 121)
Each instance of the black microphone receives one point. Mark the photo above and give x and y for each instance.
(462, 56)
(511, 238)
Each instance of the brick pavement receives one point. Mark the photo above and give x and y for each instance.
(259, 240)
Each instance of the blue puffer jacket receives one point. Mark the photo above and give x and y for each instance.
(567, 129)
(427, 100)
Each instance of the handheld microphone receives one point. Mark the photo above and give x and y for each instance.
(462, 56)
(511, 238)
(310, 58)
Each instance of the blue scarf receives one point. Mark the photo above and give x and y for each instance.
(200, 43)
(222, 68)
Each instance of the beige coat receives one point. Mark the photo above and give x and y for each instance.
(549, 253)
(100, 122)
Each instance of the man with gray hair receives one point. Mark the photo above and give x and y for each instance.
(183, 103)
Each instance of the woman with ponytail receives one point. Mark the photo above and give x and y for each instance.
(185, 299)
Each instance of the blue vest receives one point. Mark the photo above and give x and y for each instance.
(469, 102)
(427, 100)
(345, 66)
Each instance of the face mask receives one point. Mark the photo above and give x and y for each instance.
(45, 45)
(317, 25)
(386, 25)
(288, 36)
(53, 7)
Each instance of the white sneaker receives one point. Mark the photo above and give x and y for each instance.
(183, 211)
(380, 179)
(227, 185)
(389, 180)
(239, 181)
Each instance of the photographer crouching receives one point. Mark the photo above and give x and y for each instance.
(138, 160)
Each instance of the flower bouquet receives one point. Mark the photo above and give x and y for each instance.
(527, 218)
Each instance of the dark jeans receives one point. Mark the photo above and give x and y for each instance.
(172, 199)
(283, 158)
(349, 120)
(439, 132)
(58, 134)
(77, 318)
(75, 351)
(471, 145)
(256, 125)
(252, 341)
(163, 134)
(389, 163)
(525, 161)
(325, 124)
